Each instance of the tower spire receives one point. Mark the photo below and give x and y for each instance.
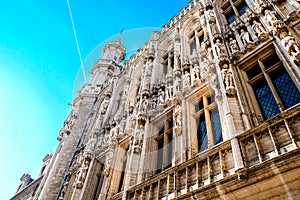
(120, 36)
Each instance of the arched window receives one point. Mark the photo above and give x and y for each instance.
(272, 86)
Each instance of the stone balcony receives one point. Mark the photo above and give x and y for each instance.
(270, 153)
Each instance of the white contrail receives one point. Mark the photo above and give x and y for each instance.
(77, 44)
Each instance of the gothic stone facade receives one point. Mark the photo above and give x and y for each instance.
(207, 109)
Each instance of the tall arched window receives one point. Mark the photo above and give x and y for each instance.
(272, 86)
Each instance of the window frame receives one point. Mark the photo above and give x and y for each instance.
(168, 144)
(203, 95)
(258, 60)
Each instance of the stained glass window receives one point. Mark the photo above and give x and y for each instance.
(265, 99)
(270, 73)
(201, 133)
(236, 8)
(230, 17)
(216, 126)
(286, 89)
(164, 141)
(242, 8)
(207, 121)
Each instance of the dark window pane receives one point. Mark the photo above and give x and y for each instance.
(286, 88)
(170, 123)
(265, 99)
(201, 133)
(123, 174)
(160, 154)
(193, 45)
(216, 126)
(230, 17)
(199, 106)
(170, 147)
(210, 99)
(165, 69)
(201, 38)
(161, 130)
(271, 61)
(254, 71)
(242, 8)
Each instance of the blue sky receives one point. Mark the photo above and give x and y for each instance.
(39, 65)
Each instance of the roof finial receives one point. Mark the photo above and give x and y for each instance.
(120, 36)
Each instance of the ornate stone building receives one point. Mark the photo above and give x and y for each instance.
(207, 109)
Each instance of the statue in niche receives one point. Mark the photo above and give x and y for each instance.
(177, 115)
(220, 48)
(136, 108)
(98, 122)
(249, 14)
(144, 105)
(161, 98)
(138, 142)
(271, 18)
(108, 160)
(211, 16)
(290, 45)
(81, 173)
(233, 45)
(245, 37)
(121, 128)
(177, 62)
(209, 53)
(228, 79)
(64, 190)
(177, 84)
(102, 142)
(196, 72)
(90, 145)
(104, 104)
(213, 28)
(114, 129)
(125, 91)
(259, 30)
(187, 78)
(153, 102)
(169, 90)
(185, 61)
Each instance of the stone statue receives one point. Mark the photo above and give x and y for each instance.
(228, 79)
(107, 164)
(245, 37)
(258, 28)
(64, 190)
(177, 115)
(169, 91)
(121, 128)
(153, 102)
(161, 98)
(138, 142)
(144, 105)
(289, 43)
(233, 45)
(271, 18)
(187, 78)
(177, 84)
(104, 104)
(196, 72)
(220, 48)
(81, 173)
(211, 16)
(90, 145)
(98, 123)
(114, 130)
